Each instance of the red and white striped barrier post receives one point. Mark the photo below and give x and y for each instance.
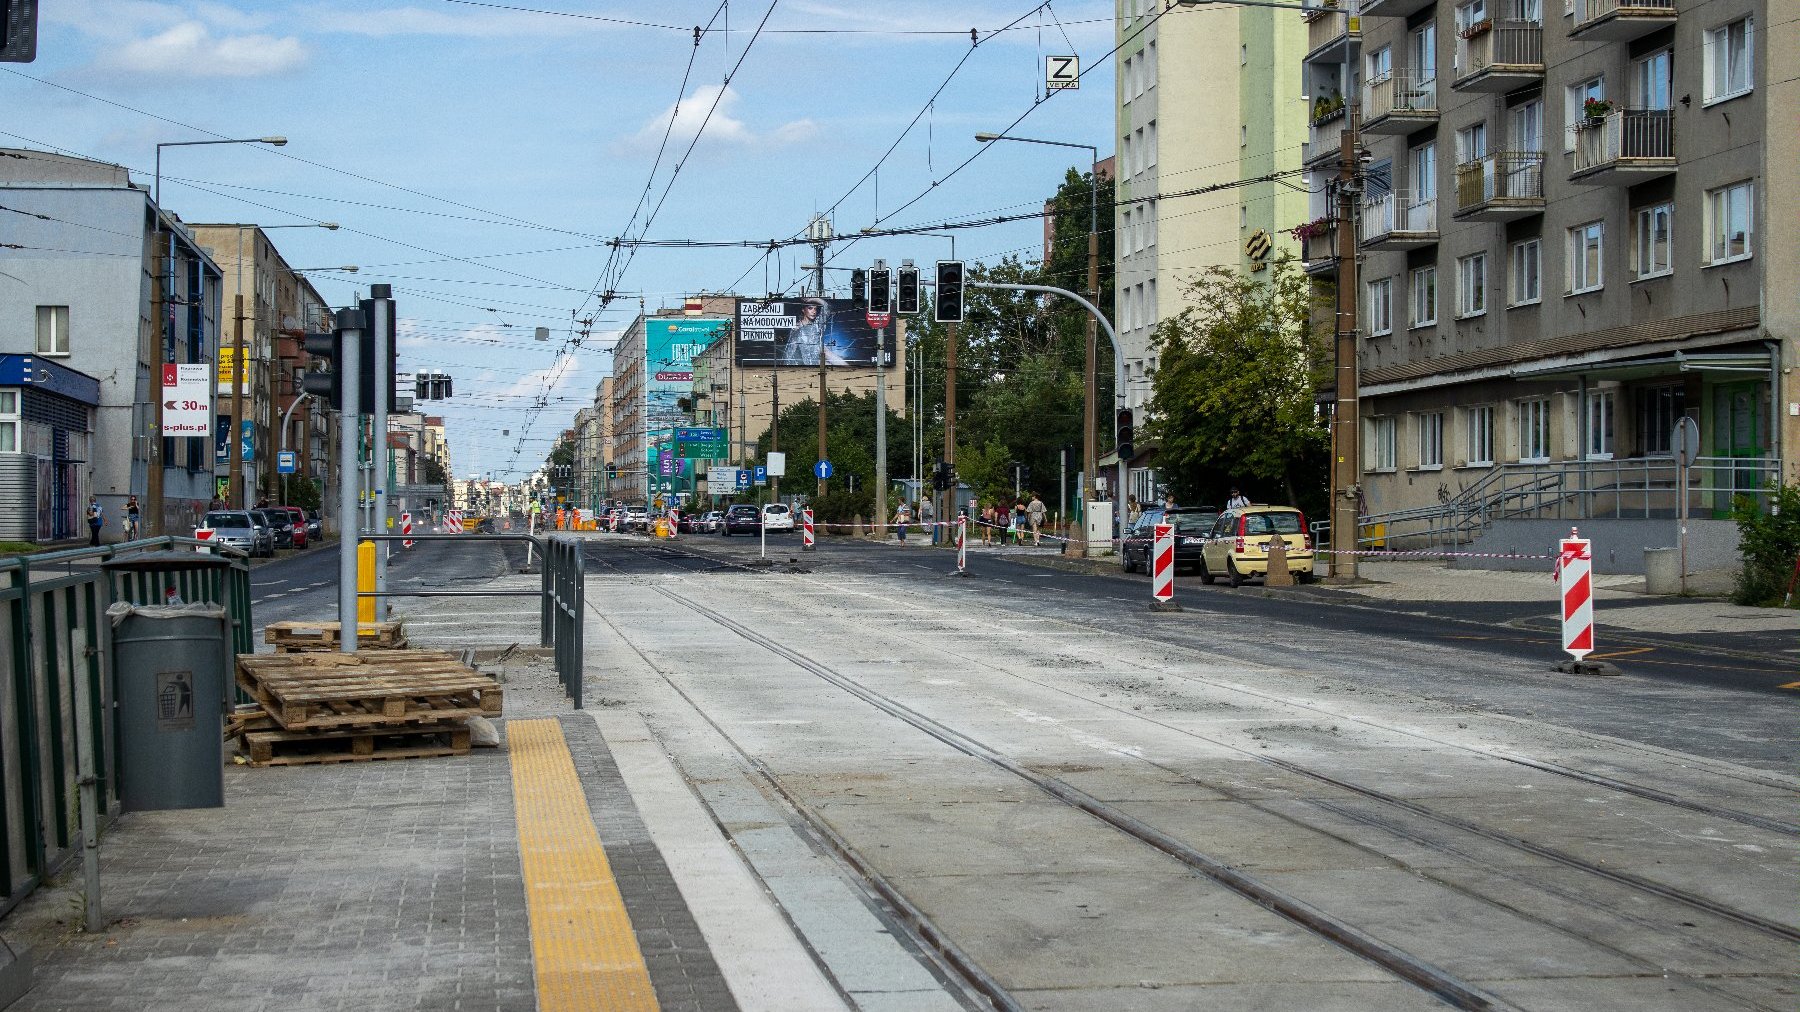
(806, 530)
(962, 546)
(203, 534)
(1162, 569)
(406, 529)
(1575, 573)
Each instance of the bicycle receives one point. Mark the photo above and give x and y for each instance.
(131, 528)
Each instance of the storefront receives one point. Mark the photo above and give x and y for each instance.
(46, 434)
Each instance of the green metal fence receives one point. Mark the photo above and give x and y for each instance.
(52, 631)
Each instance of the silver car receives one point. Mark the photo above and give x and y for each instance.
(236, 529)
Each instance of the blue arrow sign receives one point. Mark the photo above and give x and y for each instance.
(822, 470)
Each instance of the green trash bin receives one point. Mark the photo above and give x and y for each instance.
(170, 664)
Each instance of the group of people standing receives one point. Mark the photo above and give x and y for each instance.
(1015, 520)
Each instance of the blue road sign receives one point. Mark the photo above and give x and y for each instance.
(762, 475)
(743, 478)
(822, 470)
(287, 462)
(247, 441)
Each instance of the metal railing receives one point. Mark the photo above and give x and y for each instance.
(1321, 245)
(1503, 45)
(54, 631)
(1589, 11)
(1504, 177)
(1400, 91)
(1624, 134)
(1400, 211)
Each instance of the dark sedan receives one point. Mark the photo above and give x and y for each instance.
(279, 524)
(742, 519)
(1191, 524)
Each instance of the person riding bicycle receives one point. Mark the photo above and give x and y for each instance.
(133, 519)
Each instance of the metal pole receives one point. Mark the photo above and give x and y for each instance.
(950, 400)
(1347, 465)
(153, 479)
(87, 778)
(881, 468)
(381, 325)
(349, 323)
(819, 285)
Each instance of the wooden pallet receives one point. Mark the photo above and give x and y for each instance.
(304, 637)
(307, 748)
(317, 691)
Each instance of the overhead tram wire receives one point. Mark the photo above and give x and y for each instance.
(772, 31)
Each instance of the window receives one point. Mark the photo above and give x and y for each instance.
(1480, 423)
(1653, 81)
(1126, 156)
(1243, 135)
(1150, 142)
(1575, 101)
(1528, 125)
(1730, 60)
(1652, 247)
(1381, 448)
(1142, 153)
(9, 421)
(1244, 56)
(1657, 409)
(1422, 47)
(1585, 257)
(1431, 440)
(1150, 65)
(1423, 300)
(1243, 217)
(53, 330)
(1527, 272)
(1471, 285)
(1728, 210)
(1423, 164)
(1471, 143)
(1600, 425)
(1534, 430)
(1150, 307)
(1381, 63)
(1380, 303)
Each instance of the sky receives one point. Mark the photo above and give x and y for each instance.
(479, 156)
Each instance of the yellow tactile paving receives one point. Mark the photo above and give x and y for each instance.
(587, 957)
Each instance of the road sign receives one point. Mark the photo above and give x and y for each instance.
(204, 534)
(744, 478)
(1162, 566)
(247, 440)
(777, 464)
(287, 462)
(762, 474)
(1685, 441)
(1574, 571)
(822, 470)
(701, 443)
(1062, 73)
(187, 399)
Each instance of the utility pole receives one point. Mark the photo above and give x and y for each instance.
(950, 412)
(1090, 457)
(153, 490)
(1345, 420)
(881, 468)
(234, 440)
(380, 323)
(774, 421)
(820, 229)
(349, 324)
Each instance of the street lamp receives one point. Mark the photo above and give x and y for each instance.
(156, 191)
(1089, 453)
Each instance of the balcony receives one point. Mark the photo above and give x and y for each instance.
(1500, 187)
(1325, 141)
(1393, 8)
(1499, 55)
(1620, 20)
(1401, 220)
(1318, 245)
(1331, 27)
(1400, 102)
(1624, 147)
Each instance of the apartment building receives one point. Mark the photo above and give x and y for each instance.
(1561, 229)
(1207, 95)
(652, 383)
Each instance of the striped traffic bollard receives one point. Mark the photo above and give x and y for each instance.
(962, 546)
(1162, 569)
(406, 529)
(806, 531)
(1575, 575)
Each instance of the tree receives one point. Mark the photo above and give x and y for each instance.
(431, 472)
(1233, 395)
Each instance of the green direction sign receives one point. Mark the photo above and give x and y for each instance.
(701, 443)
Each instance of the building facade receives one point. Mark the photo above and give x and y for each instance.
(1561, 228)
(107, 284)
(46, 445)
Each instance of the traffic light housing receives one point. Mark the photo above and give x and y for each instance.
(907, 301)
(949, 305)
(859, 286)
(942, 476)
(1124, 435)
(328, 385)
(18, 31)
(881, 290)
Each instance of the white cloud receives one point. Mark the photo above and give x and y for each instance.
(190, 49)
(558, 377)
(690, 113)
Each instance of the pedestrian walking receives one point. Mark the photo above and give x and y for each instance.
(928, 517)
(1035, 512)
(1133, 510)
(901, 516)
(133, 519)
(95, 518)
(1237, 501)
(1018, 522)
(987, 523)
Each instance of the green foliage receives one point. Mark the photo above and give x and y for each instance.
(1233, 400)
(850, 441)
(431, 472)
(1770, 543)
(984, 468)
(301, 492)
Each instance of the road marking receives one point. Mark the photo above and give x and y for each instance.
(1633, 652)
(1790, 685)
(581, 938)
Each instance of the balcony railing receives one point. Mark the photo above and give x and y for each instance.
(1493, 53)
(1502, 181)
(1624, 139)
(1401, 217)
(1403, 97)
(1325, 140)
(1620, 20)
(1319, 245)
(1329, 26)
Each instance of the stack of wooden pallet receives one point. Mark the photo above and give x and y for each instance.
(306, 637)
(386, 704)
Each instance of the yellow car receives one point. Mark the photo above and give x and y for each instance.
(1238, 546)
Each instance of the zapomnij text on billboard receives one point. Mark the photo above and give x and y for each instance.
(798, 331)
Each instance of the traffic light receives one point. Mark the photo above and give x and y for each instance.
(1124, 435)
(327, 385)
(949, 306)
(859, 286)
(881, 290)
(942, 476)
(908, 301)
(18, 31)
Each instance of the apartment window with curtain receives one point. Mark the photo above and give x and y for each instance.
(1586, 258)
(1422, 298)
(1652, 248)
(1728, 223)
(1431, 440)
(1471, 285)
(1381, 443)
(1527, 283)
(1534, 430)
(1730, 58)
(1600, 425)
(1480, 426)
(1378, 305)
(53, 330)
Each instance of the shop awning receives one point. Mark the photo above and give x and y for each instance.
(1757, 362)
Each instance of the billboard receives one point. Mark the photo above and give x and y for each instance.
(670, 346)
(796, 331)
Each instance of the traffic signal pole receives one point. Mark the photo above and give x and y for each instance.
(349, 325)
(819, 286)
(380, 324)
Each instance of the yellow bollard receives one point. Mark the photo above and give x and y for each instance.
(365, 581)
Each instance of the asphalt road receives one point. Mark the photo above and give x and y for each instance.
(302, 585)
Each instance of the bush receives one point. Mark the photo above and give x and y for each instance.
(1770, 543)
(841, 507)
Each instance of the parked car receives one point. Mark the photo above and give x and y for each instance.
(712, 522)
(1238, 545)
(315, 526)
(301, 536)
(1192, 525)
(281, 528)
(234, 529)
(743, 518)
(777, 517)
(636, 519)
